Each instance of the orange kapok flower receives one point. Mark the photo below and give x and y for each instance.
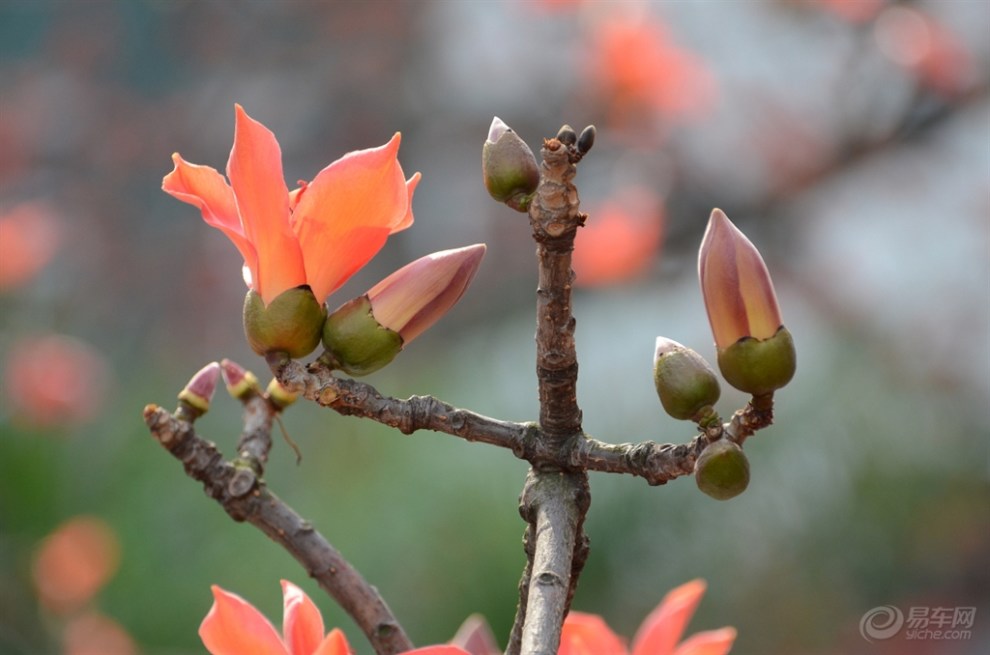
(588, 634)
(234, 626)
(317, 235)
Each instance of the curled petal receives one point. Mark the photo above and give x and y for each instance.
(205, 188)
(255, 172)
(302, 624)
(664, 626)
(234, 626)
(407, 220)
(347, 212)
(711, 642)
(334, 644)
(588, 634)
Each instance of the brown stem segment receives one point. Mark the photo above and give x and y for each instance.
(245, 497)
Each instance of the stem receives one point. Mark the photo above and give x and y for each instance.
(245, 497)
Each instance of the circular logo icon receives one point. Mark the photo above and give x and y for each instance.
(881, 623)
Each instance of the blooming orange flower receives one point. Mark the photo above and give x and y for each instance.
(234, 626)
(588, 634)
(318, 234)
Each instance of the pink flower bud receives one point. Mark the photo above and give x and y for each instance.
(414, 297)
(736, 285)
(239, 381)
(199, 390)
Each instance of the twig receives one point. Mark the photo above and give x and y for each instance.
(245, 497)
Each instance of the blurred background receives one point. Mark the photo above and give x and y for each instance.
(849, 139)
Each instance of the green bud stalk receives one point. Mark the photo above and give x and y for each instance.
(291, 323)
(759, 367)
(357, 343)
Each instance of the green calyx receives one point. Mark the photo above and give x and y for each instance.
(358, 343)
(685, 382)
(291, 323)
(722, 470)
(510, 171)
(759, 366)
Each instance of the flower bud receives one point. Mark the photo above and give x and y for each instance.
(509, 167)
(742, 309)
(685, 382)
(357, 343)
(199, 390)
(279, 395)
(722, 470)
(291, 323)
(759, 367)
(239, 381)
(366, 333)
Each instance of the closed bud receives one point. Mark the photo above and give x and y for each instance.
(685, 382)
(722, 470)
(509, 168)
(356, 342)
(279, 395)
(199, 390)
(742, 310)
(291, 323)
(759, 367)
(239, 381)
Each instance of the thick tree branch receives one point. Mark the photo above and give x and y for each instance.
(245, 497)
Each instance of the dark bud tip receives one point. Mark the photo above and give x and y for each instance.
(586, 140)
(567, 135)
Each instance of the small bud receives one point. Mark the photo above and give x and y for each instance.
(291, 323)
(586, 140)
(759, 367)
(685, 382)
(509, 168)
(742, 309)
(722, 470)
(239, 382)
(279, 395)
(359, 344)
(567, 135)
(199, 390)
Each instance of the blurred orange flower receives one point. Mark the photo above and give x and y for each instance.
(54, 380)
(319, 234)
(74, 562)
(588, 634)
(635, 65)
(29, 236)
(95, 634)
(853, 11)
(620, 240)
(234, 626)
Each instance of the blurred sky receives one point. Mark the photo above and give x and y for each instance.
(849, 140)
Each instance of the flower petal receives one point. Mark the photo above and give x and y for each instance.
(407, 220)
(588, 634)
(205, 188)
(302, 624)
(234, 627)
(710, 642)
(334, 644)
(347, 212)
(437, 650)
(664, 626)
(255, 172)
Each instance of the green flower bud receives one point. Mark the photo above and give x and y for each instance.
(509, 167)
(722, 470)
(358, 343)
(291, 323)
(759, 366)
(685, 382)
(279, 395)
